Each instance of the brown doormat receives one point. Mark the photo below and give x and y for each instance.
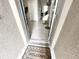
(35, 52)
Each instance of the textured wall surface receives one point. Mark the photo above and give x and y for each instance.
(67, 46)
(11, 42)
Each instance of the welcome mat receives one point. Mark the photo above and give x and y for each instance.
(35, 52)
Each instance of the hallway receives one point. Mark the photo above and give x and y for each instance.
(38, 47)
(14, 42)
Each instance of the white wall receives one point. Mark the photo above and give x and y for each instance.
(33, 9)
(11, 42)
(67, 46)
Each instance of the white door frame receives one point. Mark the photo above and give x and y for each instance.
(19, 18)
(61, 22)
